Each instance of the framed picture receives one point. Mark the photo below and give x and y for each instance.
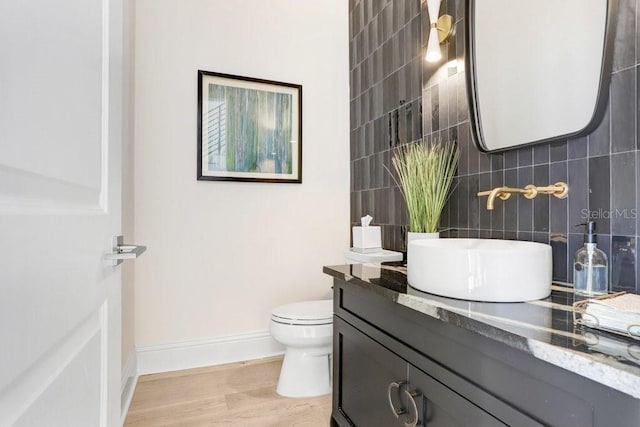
(248, 129)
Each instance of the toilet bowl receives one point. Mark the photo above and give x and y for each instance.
(306, 330)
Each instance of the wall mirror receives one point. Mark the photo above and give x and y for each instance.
(538, 71)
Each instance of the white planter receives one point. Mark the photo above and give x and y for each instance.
(411, 236)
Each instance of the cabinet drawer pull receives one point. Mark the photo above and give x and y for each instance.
(411, 395)
(395, 385)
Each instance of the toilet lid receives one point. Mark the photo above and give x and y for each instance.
(306, 312)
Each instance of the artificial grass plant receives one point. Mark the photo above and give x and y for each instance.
(425, 174)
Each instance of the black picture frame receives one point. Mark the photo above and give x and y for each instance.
(249, 129)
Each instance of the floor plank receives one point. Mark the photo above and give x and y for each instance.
(238, 394)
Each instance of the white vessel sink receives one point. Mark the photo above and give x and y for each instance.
(480, 269)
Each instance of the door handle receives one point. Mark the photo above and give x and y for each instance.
(123, 251)
(395, 385)
(411, 395)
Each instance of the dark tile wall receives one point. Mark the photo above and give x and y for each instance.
(396, 97)
(386, 106)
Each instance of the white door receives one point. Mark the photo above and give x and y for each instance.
(60, 148)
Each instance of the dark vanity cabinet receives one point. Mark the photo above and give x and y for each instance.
(395, 366)
(379, 388)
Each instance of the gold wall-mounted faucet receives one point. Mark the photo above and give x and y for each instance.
(559, 189)
(502, 192)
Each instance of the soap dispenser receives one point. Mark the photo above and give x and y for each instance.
(590, 270)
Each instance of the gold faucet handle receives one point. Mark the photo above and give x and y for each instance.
(562, 190)
(530, 191)
(559, 189)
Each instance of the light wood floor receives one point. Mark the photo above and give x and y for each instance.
(238, 394)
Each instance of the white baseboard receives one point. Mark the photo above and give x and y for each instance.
(153, 359)
(128, 384)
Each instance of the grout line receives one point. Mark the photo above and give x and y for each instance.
(630, 67)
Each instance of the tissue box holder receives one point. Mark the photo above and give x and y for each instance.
(367, 240)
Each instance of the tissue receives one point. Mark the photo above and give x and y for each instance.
(367, 238)
(366, 220)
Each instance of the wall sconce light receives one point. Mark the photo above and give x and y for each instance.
(441, 30)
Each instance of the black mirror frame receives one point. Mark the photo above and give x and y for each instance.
(603, 89)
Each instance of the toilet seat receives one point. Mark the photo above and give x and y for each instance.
(318, 312)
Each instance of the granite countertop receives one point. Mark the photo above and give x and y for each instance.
(543, 328)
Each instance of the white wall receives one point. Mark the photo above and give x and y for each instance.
(223, 254)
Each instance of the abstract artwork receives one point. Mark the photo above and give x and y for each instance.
(249, 129)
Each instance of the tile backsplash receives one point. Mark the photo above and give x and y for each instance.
(397, 98)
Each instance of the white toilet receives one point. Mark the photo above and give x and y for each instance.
(306, 329)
